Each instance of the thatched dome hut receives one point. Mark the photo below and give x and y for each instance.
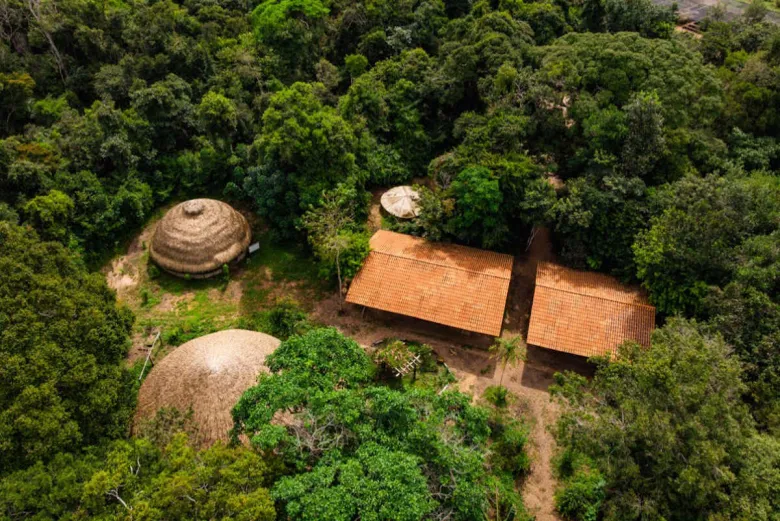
(208, 374)
(402, 202)
(195, 238)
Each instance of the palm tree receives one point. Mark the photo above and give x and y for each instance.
(508, 351)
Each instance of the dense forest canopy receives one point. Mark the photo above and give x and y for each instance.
(665, 155)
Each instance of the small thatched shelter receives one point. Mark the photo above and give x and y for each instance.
(197, 237)
(402, 202)
(208, 374)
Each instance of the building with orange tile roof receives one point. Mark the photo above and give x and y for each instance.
(448, 284)
(585, 313)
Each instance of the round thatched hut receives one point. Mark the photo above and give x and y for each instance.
(208, 374)
(195, 238)
(402, 202)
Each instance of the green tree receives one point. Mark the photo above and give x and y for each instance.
(357, 449)
(292, 28)
(135, 478)
(641, 16)
(62, 350)
(697, 226)
(665, 426)
(319, 360)
(217, 114)
(479, 216)
(335, 237)
(16, 89)
(50, 214)
(599, 220)
(645, 142)
(377, 483)
(307, 147)
(508, 352)
(355, 65)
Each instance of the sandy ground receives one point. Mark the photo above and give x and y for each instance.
(122, 274)
(467, 356)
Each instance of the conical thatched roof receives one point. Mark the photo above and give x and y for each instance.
(401, 201)
(208, 374)
(197, 237)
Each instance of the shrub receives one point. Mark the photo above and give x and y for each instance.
(508, 450)
(427, 360)
(497, 395)
(285, 319)
(152, 270)
(174, 336)
(581, 495)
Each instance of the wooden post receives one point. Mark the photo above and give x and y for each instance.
(149, 354)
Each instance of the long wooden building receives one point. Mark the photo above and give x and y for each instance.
(448, 284)
(585, 313)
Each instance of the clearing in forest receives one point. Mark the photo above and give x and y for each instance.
(186, 309)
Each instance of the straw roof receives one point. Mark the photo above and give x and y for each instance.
(401, 201)
(448, 284)
(586, 313)
(197, 237)
(208, 374)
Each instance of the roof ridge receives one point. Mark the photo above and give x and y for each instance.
(556, 288)
(448, 266)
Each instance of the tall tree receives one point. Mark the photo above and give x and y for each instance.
(665, 426)
(334, 235)
(62, 346)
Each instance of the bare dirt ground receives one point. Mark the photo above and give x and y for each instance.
(467, 357)
(375, 211)
(123, 274)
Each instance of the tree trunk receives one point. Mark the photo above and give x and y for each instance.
(338, 274)
(19, 41)
(34, 6)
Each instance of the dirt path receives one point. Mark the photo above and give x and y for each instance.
(528, 383)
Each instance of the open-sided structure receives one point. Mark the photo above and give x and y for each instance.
(197, 237)
(209, 375)
(448, 284)
(586, 313)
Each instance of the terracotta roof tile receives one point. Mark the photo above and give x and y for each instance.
(444, 283)
(586, 313)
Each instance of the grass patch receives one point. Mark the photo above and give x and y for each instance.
(285, 262)
(167, 283)
(189, 308)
